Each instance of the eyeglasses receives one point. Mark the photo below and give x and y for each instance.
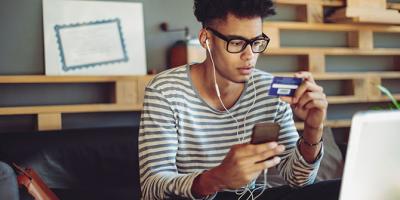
(236, 44)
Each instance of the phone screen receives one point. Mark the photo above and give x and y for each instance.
(265, 132)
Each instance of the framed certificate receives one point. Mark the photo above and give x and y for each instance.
(102, 43)
(94, 38)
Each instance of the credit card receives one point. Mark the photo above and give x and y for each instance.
(284, 86)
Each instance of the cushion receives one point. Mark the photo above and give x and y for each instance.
(331, 164)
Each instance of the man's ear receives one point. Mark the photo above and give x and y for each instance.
(203, 38)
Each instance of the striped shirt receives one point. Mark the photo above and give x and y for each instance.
(181, 135)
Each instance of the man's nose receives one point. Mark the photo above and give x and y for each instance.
(247, 53)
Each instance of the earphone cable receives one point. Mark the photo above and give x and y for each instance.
(240, 139)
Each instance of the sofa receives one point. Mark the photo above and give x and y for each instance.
(99, 163)
(102, 163)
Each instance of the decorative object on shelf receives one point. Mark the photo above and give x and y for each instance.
(183, 51)
(164, 26)
(93, 38)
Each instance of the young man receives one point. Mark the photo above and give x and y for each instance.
(198, 119)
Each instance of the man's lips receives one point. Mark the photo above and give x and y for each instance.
(245, 70)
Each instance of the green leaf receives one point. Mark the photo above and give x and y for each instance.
(376, 108)
(387, 93)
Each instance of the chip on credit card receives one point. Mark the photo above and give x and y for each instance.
(284, 86)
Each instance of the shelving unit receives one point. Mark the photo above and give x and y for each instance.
(328, 3)
(129, 91)
(127, 96)
(360, 42)
(360, 86)
(312, 11)
(359, 11)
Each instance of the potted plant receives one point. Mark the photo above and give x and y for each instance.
(395, 104)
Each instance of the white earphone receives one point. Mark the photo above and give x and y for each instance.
(240, 139)
(215, 80)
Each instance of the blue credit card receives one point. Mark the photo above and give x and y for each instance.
(284, 86)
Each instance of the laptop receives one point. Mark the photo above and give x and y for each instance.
(372, 167)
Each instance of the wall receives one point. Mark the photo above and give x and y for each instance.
(21, 53)
(21, 36)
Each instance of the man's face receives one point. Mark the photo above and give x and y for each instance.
(235, 67)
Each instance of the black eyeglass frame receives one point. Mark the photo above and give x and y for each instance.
(228, 39)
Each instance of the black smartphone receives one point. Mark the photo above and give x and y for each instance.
(265, 132)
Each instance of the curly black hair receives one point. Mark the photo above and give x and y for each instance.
(208, 10)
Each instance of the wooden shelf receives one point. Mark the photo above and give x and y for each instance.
(348, 75)
(127, 96)
(346, 99)
(81, 108)
(331, 3)
(357, 12)
(328, 123)
(395, 6)
(388, 75)
(66, 79)
(331, 51)
(353, 99)
(349, 99)
(335, 3)
(360, 42)
(383, 98)
(338, 123)
(329, 27)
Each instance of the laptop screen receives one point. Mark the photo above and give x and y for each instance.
(372, 167)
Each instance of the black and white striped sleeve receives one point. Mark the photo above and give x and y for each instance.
(158, 145)
(294, 169)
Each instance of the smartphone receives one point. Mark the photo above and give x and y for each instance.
(265, 132)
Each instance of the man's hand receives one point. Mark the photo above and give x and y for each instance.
(245, 162)
(242, 164)
(309, 101)
(309, 104)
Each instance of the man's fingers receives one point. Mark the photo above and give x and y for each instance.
(310, 96)
(305, 75)
(316, 103)
(287, 99)
(259, 152)
(306, 86)
(266, 164)
(267, 154)
(245, 150)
